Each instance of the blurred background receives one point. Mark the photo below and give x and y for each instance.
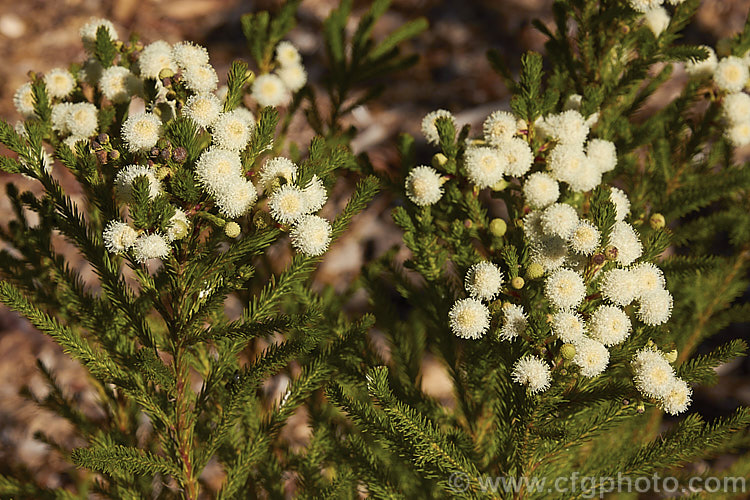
(38, 35)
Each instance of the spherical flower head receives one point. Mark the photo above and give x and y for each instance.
(141, 132)
(550, 252)
(276, 168)
(739, 134)
(203, 109)
(625, 239)
(429, 127)
(657, 20)
(82, 119)
(315, 194)
(424, 186)
(568, 163)
(59, 82)
(293, 76)
(469, 318)
(731, 74)
(287, 54)
(655, 307)
(150, 246)
(653, 375)
(88, 32)
(602, 154)
(619, 286)
(499, 127)
(156, 57)
(232, 229)
(705, 67)
(514, 321)
(59, 117)
(269, 90)
(560, 219)
(518, 156)
(565, 289)
(483, 280)
(201, 78)
(649, 277)
(118, 237)
(677, 398)
(179, 225)
(287, 204)
(568, 326)
(591, 357)
(644, 5)
(585, 238)
(568, 127)
(311, 235)
(237, 198)
(231, 131)
(188, 54)
(532, 372)
(126, 176)
(23, 100)
(736, 107)
(217, 169)
(621, 202)
(118, 84)
(484, 166)
(246, 115)
(540, 190)
(609, 325)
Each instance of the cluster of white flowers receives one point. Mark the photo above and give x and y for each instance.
(470, 318)
(655, 378)
(276, 89)
(648, 5)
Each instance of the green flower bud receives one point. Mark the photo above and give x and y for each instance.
(657, 221)
(439, 160)
(500, 185)
(534, 271)
(671, 356)
(517, 282)
(610, 252)
(498, 227)
(568, 351)
(165, 73)
(232, 229)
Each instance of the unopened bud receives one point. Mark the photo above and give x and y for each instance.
(671, 356)
(101, 156)
(468, 223)
(610, 252)
(179, 155)
(568, 351)
(249, 76)
(154, 152)
(166, 73)
(439, 160)
(657, 221)
(534, 271)
(95, 145)
(517, 282)
(103, 138)
(599, 259)
(500, 185)
(165, 154)
(498, 227)
(163, 172)
(114, 155)
(232, 229)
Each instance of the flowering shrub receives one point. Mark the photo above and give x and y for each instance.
(561, 269)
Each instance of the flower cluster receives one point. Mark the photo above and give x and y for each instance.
(655, 378)
(276, 89)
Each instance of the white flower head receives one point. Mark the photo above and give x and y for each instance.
(237, 198)
(141, 132)
(565, 289)
(731, 74)
(655, 307)
(540, 190)
(188, 54)
(625, 239)
(619, 286)
(621, 202)
(568, 163)
(311, 235)
(315, 194)
(585, 239)
(568, 127)
(739, 134)
(649, 278)
(293, 76)
(499, 127)
(514, 321)
(573, 101)
(644, 5)
(287, 204)
(568, 326)
(653, 375)
(59, 82)
(269, 90)
(231, 131)
(203, 109)
(23, 100)
(287, 54)
(59, 117)
(201, 79)
(424, 186)
(88, 32)
(560, 219)
(609, 325)
(483, 280)
(736, 107)
(550, 252)
(154, 58)
(217, 169)
(82, 119)
(518, 157)
(705, 67)
(150, 246)
(484, 166)
(591, 357)
(126, 176)
(118, 84)
(118, 237)
(602, 154)
(469, 318)
(677, 398)
(532, 372)
(657, 20)
(179, 225)
(276, 168)
(429, 128)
